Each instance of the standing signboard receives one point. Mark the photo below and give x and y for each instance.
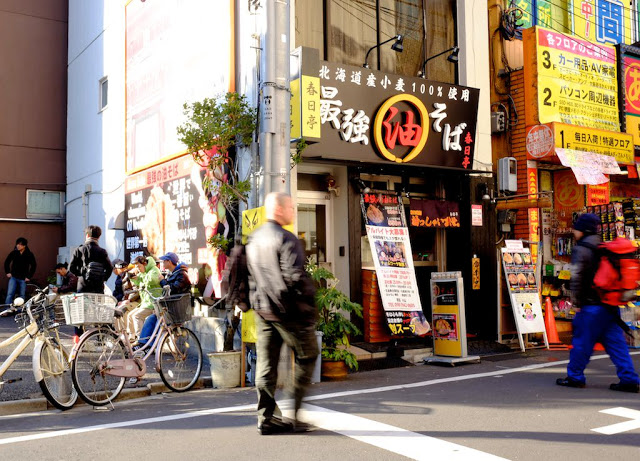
(391, 250)
(519, 271)
(448, 319)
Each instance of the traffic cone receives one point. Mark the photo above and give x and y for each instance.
(550, 326)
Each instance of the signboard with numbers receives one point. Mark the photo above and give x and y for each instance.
(570, 80)
(374, 116)
(391, 249)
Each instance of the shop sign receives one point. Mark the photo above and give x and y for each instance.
(448, 314)
(475, 273)
(167, 210)
(476, 215)
(617, 145)
(393, 260)
(630, 90)
(374, 116)
(598, 194)
(540, 141)
(567, 193)
(305, 108)
(533, 214)
(434, 213)
(569, 80)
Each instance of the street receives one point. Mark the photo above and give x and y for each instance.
(506, 407)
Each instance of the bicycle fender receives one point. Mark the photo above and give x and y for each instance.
(35, 359)
(157, 352)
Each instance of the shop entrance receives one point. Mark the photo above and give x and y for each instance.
(314, 226)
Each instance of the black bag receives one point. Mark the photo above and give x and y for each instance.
(235, 279)
(94, 273)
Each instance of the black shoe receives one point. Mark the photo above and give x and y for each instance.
(568, 382)
(274, 426)
(625, 387)
(299, 426)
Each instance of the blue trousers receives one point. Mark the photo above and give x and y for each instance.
(15, 285)
(147, 328)
(594, 324)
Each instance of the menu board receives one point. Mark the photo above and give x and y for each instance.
(393, 260)
(448, 316)
(521, 280)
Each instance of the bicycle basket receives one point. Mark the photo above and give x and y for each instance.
(178, 308)
(88, 308)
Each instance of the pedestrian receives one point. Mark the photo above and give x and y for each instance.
(90, 263)
(148, 282)
(593, 322)
(69, 280)
(282, 295)
(19, 266)
(177, 281)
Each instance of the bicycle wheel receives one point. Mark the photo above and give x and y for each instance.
(56, 383)
(180, 359)
(88, 371)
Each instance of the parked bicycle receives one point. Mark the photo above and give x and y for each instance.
(51, 367)
(104, 356)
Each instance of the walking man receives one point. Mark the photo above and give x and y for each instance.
(282, 295)
(593, 323)
(19, 266)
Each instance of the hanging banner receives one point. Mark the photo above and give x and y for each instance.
(434, 213)
(392, 256)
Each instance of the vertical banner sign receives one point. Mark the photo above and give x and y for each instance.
(533, 213)
(448, 320)
(519, 270)
(569, 80)
(475, 273)
(391, 249)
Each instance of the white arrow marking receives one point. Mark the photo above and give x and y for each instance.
(633, 415)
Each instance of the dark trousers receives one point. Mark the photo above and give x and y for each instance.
(302, 341)
(594, 324)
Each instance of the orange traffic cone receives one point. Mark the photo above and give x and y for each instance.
(550, 326)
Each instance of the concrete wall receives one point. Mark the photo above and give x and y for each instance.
(95, 139)
(33, 44)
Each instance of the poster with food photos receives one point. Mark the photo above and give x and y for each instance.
(391, 250)
(520, 275)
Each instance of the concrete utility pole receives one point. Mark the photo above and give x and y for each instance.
(274, 99)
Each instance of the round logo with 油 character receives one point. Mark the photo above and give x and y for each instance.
(408, 128)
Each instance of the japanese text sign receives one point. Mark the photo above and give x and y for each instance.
(373, 116)
(434, 213)
(570, 80)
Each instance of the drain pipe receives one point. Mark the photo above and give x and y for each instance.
(85, 206)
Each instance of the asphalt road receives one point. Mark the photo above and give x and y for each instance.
(506, 407)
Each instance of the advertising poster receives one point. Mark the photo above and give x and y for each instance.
(448, 316)
(445, 327)
(173, 55)
(519, 271)
(570, 80)
(166, 210)
(391, 249)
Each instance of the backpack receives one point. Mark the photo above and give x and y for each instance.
(94, 273)
(616, 278)
(235, 279)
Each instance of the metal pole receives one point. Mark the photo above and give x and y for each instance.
(274, 98)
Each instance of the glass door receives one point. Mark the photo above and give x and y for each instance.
(314, 226)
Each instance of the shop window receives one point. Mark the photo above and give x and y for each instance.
(45, 204)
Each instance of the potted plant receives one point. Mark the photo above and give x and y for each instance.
(334, 307)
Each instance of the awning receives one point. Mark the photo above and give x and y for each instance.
(588, 167)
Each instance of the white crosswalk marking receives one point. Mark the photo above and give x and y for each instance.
(391, 438)
(633, 415)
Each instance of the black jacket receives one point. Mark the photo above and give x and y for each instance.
(20, 265)
(178, 280)
(584, 263)
(69, 283)
(281, 290)
(88, 252)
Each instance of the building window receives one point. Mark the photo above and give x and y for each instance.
(45, 204)
(103, 89)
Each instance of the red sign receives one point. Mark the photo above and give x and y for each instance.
(540, 142)
(434, 213)
(598, 195)
(532, 182)
(632, 85)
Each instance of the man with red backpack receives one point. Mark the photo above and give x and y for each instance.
(595, 322)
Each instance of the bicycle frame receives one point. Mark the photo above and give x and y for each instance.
(26, 334)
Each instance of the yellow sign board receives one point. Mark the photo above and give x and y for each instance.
(305, 108)
(570, 80)
(633, 127)
(616, 145)
(254, 218)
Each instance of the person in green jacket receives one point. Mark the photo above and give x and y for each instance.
(147, 280)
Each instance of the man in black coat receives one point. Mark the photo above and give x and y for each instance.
(91, 277)
(282, 295)
(178, 278)
(19, 266)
